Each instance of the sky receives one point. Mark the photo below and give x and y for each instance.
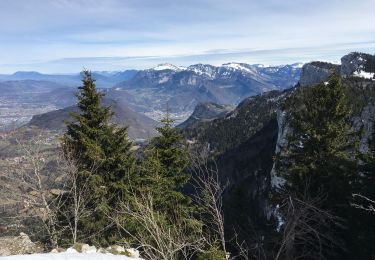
(65, 36)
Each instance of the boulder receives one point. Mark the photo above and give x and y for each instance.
(131, 252)
(18, 245)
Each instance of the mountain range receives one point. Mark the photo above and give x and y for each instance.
(245, 141)
(103, 79)
(148, 92)
(182, 88)
(212, 90)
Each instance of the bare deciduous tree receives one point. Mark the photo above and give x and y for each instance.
(364, 203)
(37, 194)
(73, 204)
(209, 194)
(155, 235)
(307, 229)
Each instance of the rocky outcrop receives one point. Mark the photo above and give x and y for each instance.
(364, 123)
(282, 141)
(204, 112)
(355, 62)
(317, 72)
(18, 245)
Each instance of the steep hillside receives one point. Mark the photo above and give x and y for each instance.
(251, 115)
(204, 112)
(140, 126)
(245, 142)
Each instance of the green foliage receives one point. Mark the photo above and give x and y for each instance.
(162, 178)
(362, 221)
(213, 253)
(104, 160)
(163, 170)
(320, 160)
(319, 143)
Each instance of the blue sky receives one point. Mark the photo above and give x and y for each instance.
(63, 36)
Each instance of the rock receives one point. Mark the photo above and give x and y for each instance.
(281, 143)
(58, 250)
(364, 124)
(71, 250)
(204, 112)
(102, 250)
(317, 72)
(356, 61)
(131, 252)
(84, 248)
(18, 245)
(115, 249)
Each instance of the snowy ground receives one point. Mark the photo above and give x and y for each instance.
(68, 256)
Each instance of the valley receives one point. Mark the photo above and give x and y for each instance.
(149, 92)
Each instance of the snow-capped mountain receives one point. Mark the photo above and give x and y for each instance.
(182, 88)
(168, 66)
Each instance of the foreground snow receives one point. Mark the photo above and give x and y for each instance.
(69, 256)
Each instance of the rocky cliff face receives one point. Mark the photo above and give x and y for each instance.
(365, 123)
(283, 131)
(355, 62)
(316, 72)
(204, 112)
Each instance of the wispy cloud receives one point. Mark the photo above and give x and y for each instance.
(66, 35)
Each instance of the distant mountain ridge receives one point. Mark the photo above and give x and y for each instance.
(140, 126)
(103, 79)
(182, 88)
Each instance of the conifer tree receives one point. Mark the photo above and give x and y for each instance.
(162, 179)
(320, 158)
(319, 143)
(164, 167)
(105, 162)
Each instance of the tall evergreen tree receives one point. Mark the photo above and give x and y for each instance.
(164, 167)
(162, 180)
(319, 142)
(105, 162)
(320, 157)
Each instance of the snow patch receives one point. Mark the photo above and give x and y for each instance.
(297, 65)
(237, 66)
(364, 74)
(168, 66)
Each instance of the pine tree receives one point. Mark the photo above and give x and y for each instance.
(161, 183)
(320, 158)
(164, 167)
(319, 143)
(105, 162)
